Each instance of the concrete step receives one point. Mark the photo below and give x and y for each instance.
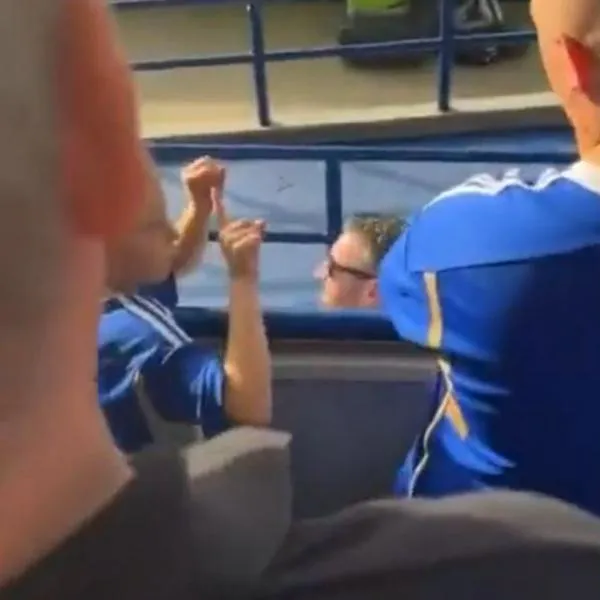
(221, 99)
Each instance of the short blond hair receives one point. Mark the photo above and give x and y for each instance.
(379, 231)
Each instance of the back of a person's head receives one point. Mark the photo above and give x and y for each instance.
(568, 33)
(72, 176)
(71, 169)
(379, 231)
(32, 244)
(29, 162)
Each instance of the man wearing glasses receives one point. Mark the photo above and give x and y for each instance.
(349, 273)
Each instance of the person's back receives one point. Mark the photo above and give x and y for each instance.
(500, 279)
(506, 276)
(216, 524)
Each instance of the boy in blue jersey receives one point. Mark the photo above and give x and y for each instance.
(188, 239)
(150, 372)
(501, 279)
(141, 261)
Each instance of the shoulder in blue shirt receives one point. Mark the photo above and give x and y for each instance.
(145, 358)
(501, 279)
(165, 292)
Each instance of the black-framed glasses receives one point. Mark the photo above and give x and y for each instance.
(333, 267)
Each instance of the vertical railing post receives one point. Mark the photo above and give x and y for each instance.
(259, 69)
(333, 198)
(446, 54)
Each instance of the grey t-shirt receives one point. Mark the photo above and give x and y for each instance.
(216, 523)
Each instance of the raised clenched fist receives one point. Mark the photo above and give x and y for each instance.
(200, 178)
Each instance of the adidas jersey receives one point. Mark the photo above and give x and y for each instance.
(501, 279)
(165, 292)
(148, 366)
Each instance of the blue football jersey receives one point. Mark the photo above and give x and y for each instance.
(146, 360)
(502, 280)
(165, 292)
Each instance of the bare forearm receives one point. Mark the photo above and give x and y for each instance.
(247, 357)
(192, 229)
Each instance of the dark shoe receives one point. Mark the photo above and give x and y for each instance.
(483, 16)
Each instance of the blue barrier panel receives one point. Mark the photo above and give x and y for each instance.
(258, 57)
(344, 325)
(333, 156)
(165, 152)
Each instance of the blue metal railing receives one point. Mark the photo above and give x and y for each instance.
(334, 156)
(167, 151)
(258, 57)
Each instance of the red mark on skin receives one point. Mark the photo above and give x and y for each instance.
(581, 60)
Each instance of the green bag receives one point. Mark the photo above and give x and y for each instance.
(377, 6)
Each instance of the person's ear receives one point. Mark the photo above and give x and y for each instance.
(102, 156)
(580, 64)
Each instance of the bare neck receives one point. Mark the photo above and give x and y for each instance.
(592, 156)
(58, 467)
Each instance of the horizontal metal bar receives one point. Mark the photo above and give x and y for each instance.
(216, 60)
(310, 366)
(283, 237)
(297, 325)
(410, 45)
(427, 44)
(145, 4)
(175, 152)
